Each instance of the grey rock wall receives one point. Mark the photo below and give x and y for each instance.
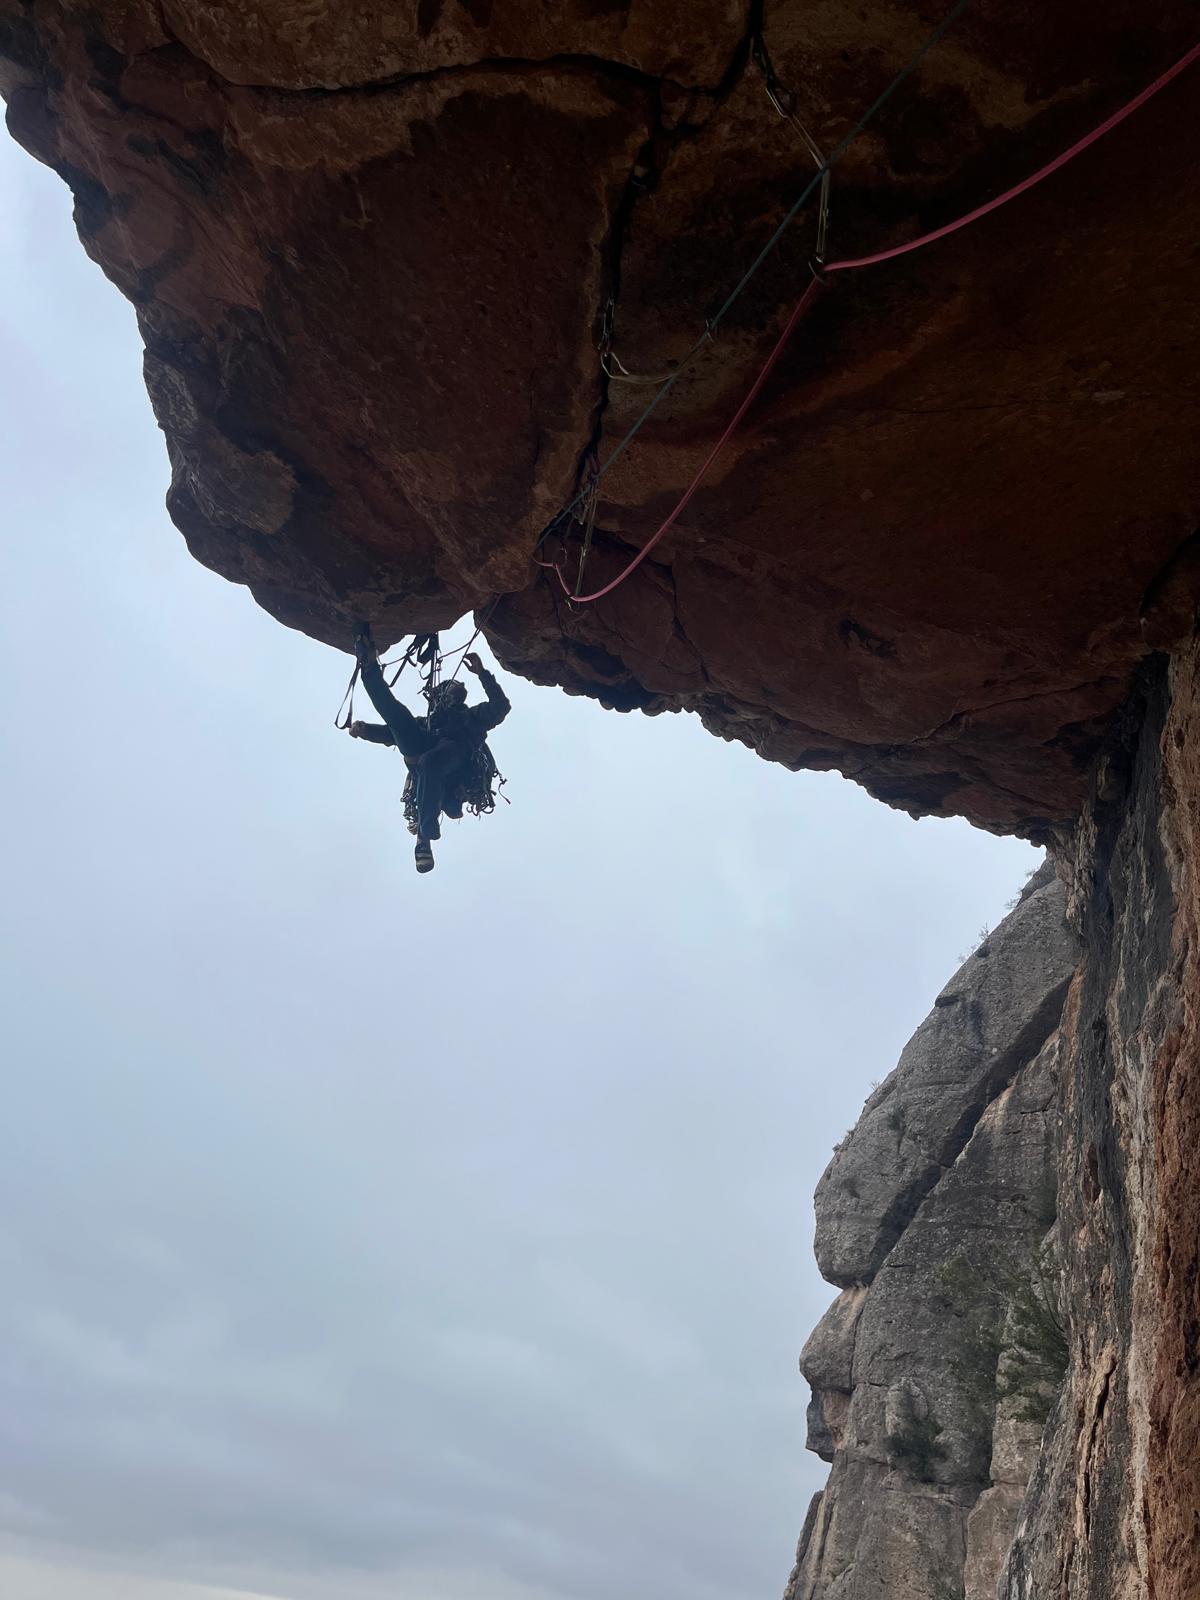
(934, 1369)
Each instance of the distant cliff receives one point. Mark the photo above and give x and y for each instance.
(934, 1369)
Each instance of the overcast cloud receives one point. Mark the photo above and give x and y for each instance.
(366, 1235)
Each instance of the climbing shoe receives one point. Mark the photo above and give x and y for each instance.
(424, 855)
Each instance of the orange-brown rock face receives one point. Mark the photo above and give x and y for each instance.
(1172, 1294)
(370, 247)
(1113, 1510)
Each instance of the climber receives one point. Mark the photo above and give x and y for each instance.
(450, 767)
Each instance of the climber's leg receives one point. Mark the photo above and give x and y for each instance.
(432, 771)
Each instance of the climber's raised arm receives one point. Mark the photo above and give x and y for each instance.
(497, 707)
(405, 731)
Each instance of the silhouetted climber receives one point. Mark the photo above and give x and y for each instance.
(450, 768)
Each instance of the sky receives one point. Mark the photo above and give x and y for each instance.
(367, 1235)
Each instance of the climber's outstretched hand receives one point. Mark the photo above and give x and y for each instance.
(472, 663)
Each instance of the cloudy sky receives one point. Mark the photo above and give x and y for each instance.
(366, 1235)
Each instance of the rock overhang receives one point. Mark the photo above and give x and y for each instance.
(370, 256)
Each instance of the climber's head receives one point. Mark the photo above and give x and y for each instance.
(444, 695)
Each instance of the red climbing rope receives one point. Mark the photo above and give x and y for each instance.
(802, 305)
(1026, 183)
(851, 265)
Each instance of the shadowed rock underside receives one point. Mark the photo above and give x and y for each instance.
(370, 247)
